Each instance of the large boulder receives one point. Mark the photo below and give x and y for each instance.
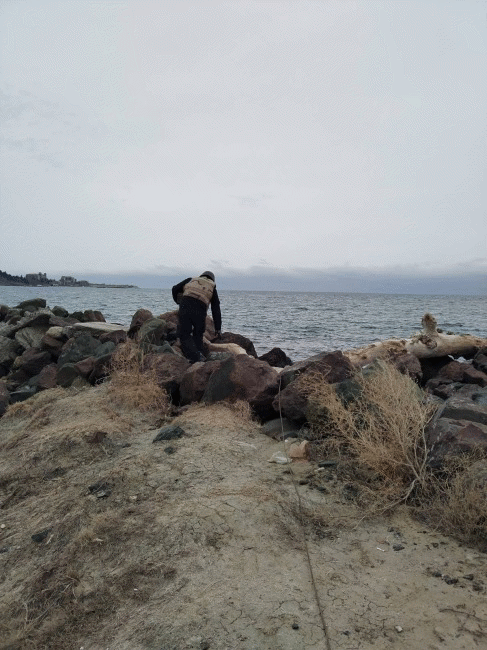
(152, 332)
(292, 401)
(76, 349)
(334, 365)
(195, 380)
(276, 358)
(471, 406)
(31, 337)
(242, 341)
(243, 377)
(480, 361)
(33, 304)
(464, 373)
(138, 319)
(32, 361)
(47, 378)
(9, 349)
(169, 370)
(448, 437)
(408, 364)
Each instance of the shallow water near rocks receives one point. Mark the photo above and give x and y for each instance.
(302, 324)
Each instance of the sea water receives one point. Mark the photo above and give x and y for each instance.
(301, 324)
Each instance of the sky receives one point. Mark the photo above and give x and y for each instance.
(320, 145)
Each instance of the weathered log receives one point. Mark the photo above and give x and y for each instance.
(426, 344)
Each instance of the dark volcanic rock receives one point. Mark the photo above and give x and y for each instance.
(169, 370)
(245, 378)
(195, 380)
(334, 365)
(276, 358)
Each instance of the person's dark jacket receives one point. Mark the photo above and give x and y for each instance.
(177, 290)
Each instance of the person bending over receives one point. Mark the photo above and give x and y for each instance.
(194, 295)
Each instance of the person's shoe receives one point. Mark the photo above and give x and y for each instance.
(202, 357)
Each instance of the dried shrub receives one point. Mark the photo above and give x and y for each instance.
(381, 428)
(457, 503)
(134, 386)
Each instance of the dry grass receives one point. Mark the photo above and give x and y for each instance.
(133, 386)
(383, 428)
(457, 503)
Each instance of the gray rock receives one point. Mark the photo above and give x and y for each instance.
(31, 337)
(4, 398)
(66, 375)
(169, 433)
(471, 407)
(280, 429)
(152, 332)
(33, 303)
(78, 348)
(22, 394)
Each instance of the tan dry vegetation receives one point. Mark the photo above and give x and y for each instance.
(199, 542)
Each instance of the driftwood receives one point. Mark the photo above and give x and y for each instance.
(424, 345)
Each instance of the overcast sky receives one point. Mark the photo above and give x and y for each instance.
(245, 137)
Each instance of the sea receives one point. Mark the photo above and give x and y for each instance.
(301, 324)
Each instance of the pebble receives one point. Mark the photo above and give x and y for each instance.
(2, 525)
(295, 626)
(398, 628)
(397, 547)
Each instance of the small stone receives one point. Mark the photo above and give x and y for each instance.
(133, 498)
(4, 549)
(450, 581)
(169, 450)
(2, 525)
(295, 626)
(169, 433)
(469, 576)
(40, 537)
(398, 628)
(397, 547)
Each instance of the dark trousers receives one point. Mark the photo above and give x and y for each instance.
(192, 325)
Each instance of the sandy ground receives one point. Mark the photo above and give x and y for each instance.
(206, 545)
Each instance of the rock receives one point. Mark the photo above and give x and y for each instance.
(242, 341)
(169, 370)
(453, 437)
(292, 403)
(52, 345)
(471, 407)
(116, 337)
(95, 329)
(85, 367)
(169, 433)
(464, 373)
(246, 378)
(280, 458)
(66, 375)
(40, 537)
(46, 379)
(279, 429)
(9, 349)
(4, 398)
(152, 332)
(32, 304)
(101, 368)
(31, 337)
(298, 451)
(195, 380)
(480, 361)
(76, 349)
(276, 358)
(138, 319)
(408, 364)
(3, 312)
(334, 365)
(32, 361)
(104, 349)
(60, 311)
(22, 394)
(57, 332)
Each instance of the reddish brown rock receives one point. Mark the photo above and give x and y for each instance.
(243, 377)
(448, 437)
(464, 373)
(195, 380)
(117, 337)
(169, 370)
(276, 358)
(46, 378)
(138, 319)
(408, 364)
(32, 361)
(334, 365)
(85, 367)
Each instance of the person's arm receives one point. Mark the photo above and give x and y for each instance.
(178, 289)
(216, 313)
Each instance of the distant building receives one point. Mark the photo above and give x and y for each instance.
(67, 281)
(35, 278)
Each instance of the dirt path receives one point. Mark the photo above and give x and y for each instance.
(200, 545)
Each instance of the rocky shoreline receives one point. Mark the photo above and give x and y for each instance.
(41, 348)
